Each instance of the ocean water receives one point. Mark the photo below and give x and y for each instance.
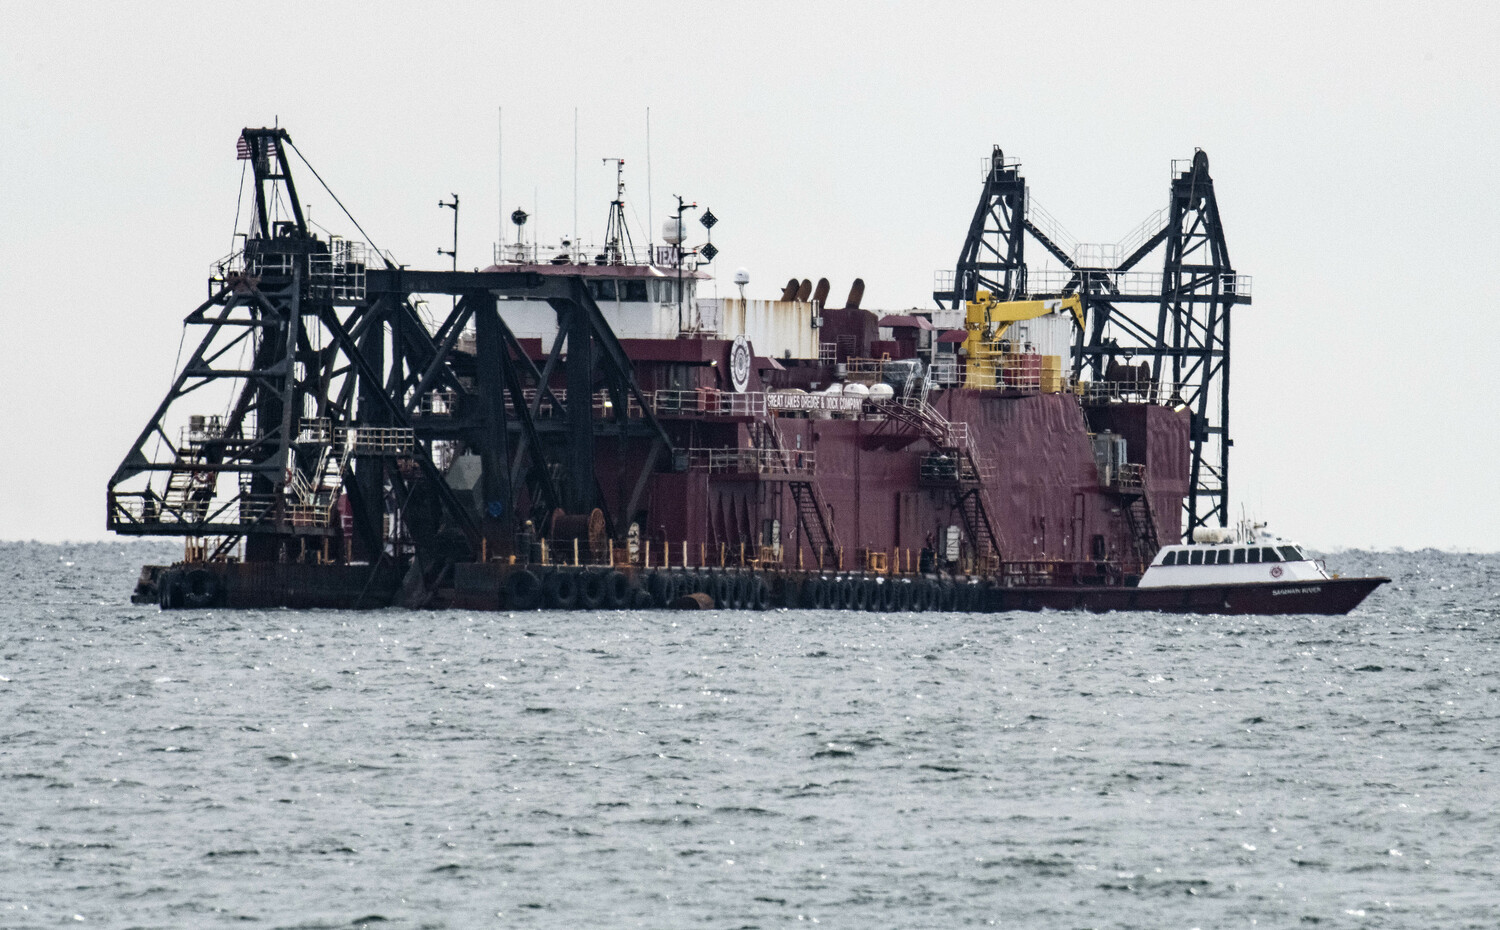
(401, 769)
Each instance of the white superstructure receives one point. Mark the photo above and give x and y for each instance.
(1249, 556)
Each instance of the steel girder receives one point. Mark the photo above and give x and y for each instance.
(337, 395)
(1187, 336)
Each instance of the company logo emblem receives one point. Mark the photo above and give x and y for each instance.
(1276, 571)
(739, 364)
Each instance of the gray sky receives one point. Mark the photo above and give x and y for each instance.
(1351, 147)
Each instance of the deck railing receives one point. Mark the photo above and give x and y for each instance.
(753, 461)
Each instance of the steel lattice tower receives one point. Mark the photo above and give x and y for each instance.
(1186, 341)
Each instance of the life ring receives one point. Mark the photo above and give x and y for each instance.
(523, 590)
(561, 590)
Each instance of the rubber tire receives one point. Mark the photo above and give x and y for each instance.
(760, 594)
(641, 599)
(921, 596)
(560, 590)
(590, 590)
(861, 597)
(847, 594)
(171, 589)
(903, 596)
(202, 589)
(659, 585)
(943, 600)
(616, 591)
(523, 590)
(889, 600)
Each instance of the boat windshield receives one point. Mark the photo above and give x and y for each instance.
(1292, 554)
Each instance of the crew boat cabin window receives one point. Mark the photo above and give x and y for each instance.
(1238, 555)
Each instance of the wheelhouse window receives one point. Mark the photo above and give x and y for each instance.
(1197, 557)
(1170, 558)
(1254, 555)
(1239, 555)
(602, 289)
(1268, 554)
(1224, 556)
(633, 291)
(1292, 553)
(665, 291)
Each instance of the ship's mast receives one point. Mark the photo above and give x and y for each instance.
(617, 235)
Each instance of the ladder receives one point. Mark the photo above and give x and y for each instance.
(1142, 527)
(970, 472)
(976, 522)
(188, 489)
(817, 529)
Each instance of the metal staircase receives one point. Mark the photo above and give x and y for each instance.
(812, 515)
(1137, 510)
(951, 462)
(817, 529)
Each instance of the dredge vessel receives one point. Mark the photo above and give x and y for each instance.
(587, 428)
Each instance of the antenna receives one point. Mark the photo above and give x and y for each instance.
(500, 171)
(682, 208)
(617, 234)
(650, 220)
(575, 177)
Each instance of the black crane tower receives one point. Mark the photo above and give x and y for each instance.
(1185, 340)
(324, 406)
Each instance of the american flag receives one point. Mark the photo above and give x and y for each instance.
(242, 150)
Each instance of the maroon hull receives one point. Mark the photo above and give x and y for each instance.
(1329, 596)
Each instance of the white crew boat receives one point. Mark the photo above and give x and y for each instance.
(1249, 554)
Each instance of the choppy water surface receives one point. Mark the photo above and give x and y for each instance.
(731, 769)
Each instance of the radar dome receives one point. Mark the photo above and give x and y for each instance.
(672, 231)
(742, 277)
